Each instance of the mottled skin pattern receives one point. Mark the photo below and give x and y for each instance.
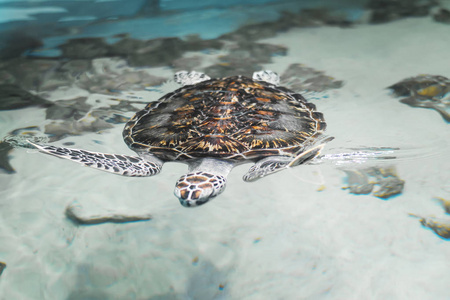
(195, 185)
(114, 163)
(233, 118)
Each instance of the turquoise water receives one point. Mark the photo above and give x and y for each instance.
(366, 220)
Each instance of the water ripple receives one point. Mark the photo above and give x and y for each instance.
(359, 155)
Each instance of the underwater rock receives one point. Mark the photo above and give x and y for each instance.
(389, 186)
(112, 82)
(358, 182)
(156, 52)
(302, 78)
(297, 77)
(425, 86)
(75, 117)
(252, 32)
(67, 73)
(445, 204)
(287, 20)
(427, 91)
(254, 52)
(244, 59)
(6, 77)
(68, 109)
(187, 63)
(160, 51)
(76, 214)
(313, 17)
(82, 118)
(442, 16)
(85, 48)
(126, 106)
(13, 97)
(108, 115)
(107, 78)
(194, 42)
(70, 117)
(5, 166)
(50, 75)
(59, 130)
(43, 74)
(2, 267)
(440, 226)
(231, 69)
(31, 74)
(383, 11)
(127, 46)
(14, 43)
(73, 68)
(111, 76)
(363, 181)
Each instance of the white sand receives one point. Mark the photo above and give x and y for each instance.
(278, 238)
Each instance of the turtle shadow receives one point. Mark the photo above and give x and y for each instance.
(206, 282)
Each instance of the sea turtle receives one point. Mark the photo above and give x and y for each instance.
(213, 125)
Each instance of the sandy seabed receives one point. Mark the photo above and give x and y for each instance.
(293, 235)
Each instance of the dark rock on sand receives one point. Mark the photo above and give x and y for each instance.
(2, 267)
(85, 48)
(442, 16)
(14, 97)
(5, 150)
(388, 10)
(427, 91)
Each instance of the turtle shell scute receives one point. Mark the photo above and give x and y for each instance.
(233, 118)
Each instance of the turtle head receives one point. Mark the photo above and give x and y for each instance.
(197, 188)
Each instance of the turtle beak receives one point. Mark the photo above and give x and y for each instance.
(192, 195)
(192, 203)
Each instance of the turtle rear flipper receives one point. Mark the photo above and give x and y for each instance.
(118, 164)
(190, 78)
(267, 76)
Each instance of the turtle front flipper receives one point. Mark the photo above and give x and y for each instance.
(275, 164)
(118, 164)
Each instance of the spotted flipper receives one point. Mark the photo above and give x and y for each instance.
(275, 164)
(118, 164)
